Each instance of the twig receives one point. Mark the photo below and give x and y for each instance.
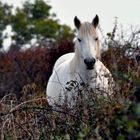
(12, 116)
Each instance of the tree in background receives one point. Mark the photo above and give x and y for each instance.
(5, 13)
(33, 21)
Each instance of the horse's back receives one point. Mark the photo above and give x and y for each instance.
(62, 59)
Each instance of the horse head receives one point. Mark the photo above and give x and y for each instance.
(87, 41)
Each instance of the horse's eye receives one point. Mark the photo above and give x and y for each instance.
(96, 39)
(79, 40)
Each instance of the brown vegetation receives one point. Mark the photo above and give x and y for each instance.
(25, 113)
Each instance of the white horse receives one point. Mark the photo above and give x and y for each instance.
(82, 66)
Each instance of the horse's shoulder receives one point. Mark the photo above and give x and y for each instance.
(62, 59)
(62, 68)
(65, 57)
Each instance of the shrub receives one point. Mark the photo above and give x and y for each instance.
(20, 68)
(25, 74)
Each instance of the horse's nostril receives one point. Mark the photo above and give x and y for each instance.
(89, 62)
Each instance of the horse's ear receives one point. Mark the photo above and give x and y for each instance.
(77, 22)
(95, 21)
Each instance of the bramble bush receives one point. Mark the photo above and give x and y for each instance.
(25, 113)
(33, 66)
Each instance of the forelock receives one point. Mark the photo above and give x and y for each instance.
(87, 29)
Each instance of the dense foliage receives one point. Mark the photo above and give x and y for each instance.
(20, 68)
(25, 113)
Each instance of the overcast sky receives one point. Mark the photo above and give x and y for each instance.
(127, 11)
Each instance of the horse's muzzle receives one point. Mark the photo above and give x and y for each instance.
(90, 62)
